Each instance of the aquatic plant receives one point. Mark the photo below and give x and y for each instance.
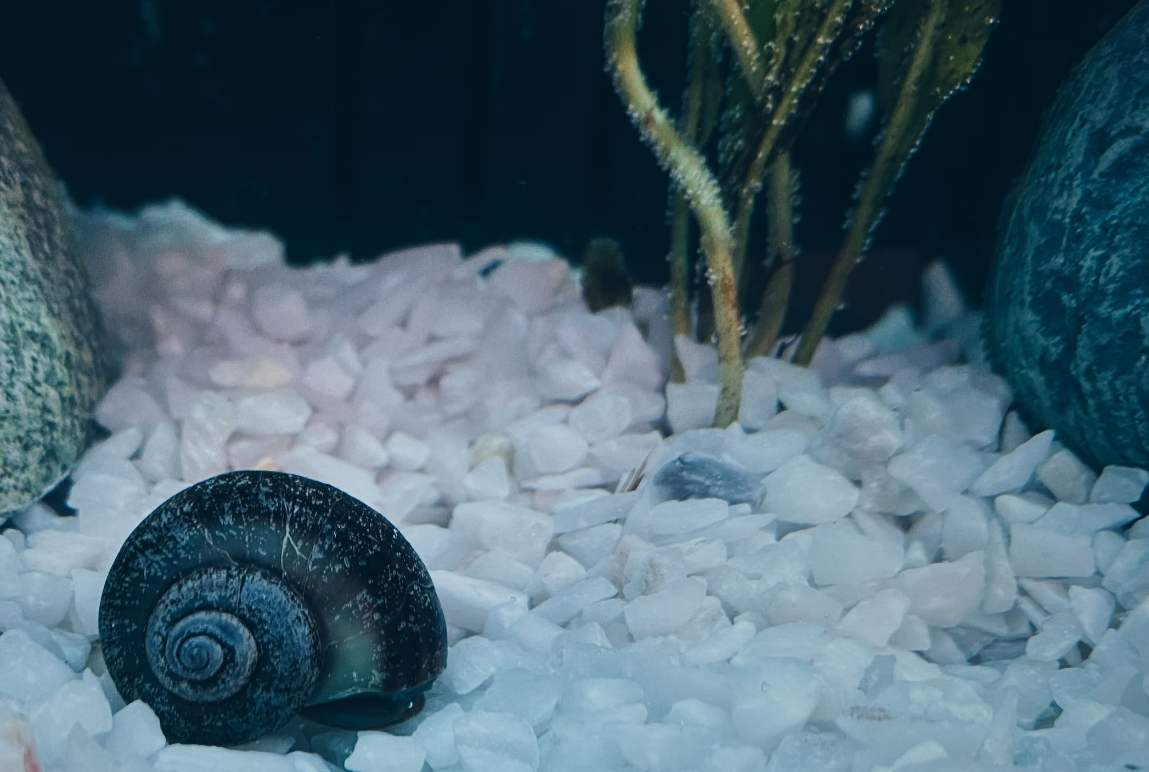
(784, 52)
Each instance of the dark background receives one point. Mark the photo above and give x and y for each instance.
(363, 125)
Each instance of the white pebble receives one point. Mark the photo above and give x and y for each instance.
(591, 545)
(1106, 545)
(965, 527)
(759, 400)
(1094, 609)
(257, 452)
(671, 518)
(1086, 519)
(328, 376)
(943, 594)
(874, 620)
(521, 532)
(466, 601)
(803, 491)
(160, 459)
(262, 372)
(28, 672)
(1119, 484)
(773, 698)
(135, 732)
(861, 433)
(470, 662)
(488, 481)
(633, 362)
(555, 449)
(87, 586)
(209, 758)
(1013, 470)
(765, 451)
(1000, 581)
(277, 412)
(358, 446)
(1067, 477)
(1038, 552)
(60, 552)
(936, 469)
(665, 611)
(1023, 508)
(209, 423)
(596, 509)
(802, 603)
(499, 567)
(601, 416)
(690, 405)
(382, 752)
(557, 572)
(78, 702)
(436, 733)
(496, 742)
(281, 313)
(407, 453)
(1128, 575)
(44, 598)
(839, 554)
(566, 604)
(1058, 634)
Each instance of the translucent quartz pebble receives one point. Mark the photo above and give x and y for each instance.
(804, 491)
(281, 313)
(379, 750)
(1119, 484)
(936, 468)
(1067, 477)
(694, 475)
(690, 405)
(1059, 633)
(496, 742)
(1039, 552)
(1013, 470)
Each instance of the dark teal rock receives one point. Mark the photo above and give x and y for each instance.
(52, 369)
(1068, 304)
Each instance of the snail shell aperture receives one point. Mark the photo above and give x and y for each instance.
(253, 596)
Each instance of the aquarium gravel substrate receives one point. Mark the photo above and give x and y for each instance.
(878, 568)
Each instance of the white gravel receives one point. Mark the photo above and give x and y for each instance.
(924, 585)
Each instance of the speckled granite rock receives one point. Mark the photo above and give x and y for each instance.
(1068, 305)
(52, 369)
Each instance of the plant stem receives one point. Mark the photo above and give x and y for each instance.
(746, 47)
(701, 189)
(679, 278)
(680, 225)
(787, 108)
(776, 298)
(877, 187)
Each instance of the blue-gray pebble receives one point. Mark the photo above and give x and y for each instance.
(52, 367)
(695, 475)
(1068, 305)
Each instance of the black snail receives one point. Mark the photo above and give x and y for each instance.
(253, 596)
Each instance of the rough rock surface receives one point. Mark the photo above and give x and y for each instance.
(52, 369)
(1068, 306)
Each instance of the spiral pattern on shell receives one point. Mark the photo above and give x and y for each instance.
(253, 596)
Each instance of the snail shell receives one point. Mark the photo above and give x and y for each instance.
(253, 596)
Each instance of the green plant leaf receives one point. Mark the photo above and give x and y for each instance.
(957, 51)
(858, 21)
(741, 119)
